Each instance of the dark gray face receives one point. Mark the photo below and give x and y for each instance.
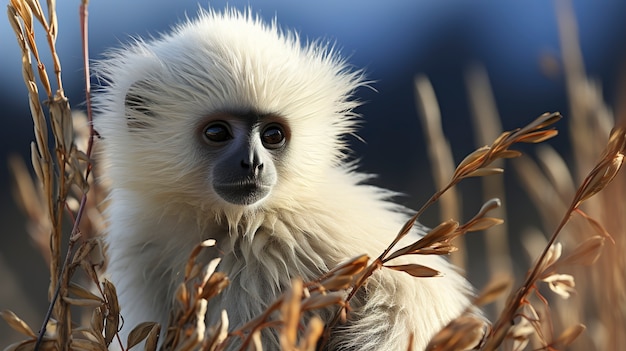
(245, 149)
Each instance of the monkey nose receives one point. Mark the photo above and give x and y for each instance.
(254, 166)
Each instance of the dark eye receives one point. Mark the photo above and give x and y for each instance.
(273, 137)
(217, 132)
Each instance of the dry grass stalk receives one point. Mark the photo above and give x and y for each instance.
(604, 283)
(485, 117)
(463, 333)
(476, 164)
(438, 240)
(468, 331)
(56, 170)
(31, 200)
(599, 177)
(591, 121)
(187, 330)
(528, 322)
(328, 290)
(439, 156)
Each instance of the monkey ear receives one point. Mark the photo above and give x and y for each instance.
(138, 112)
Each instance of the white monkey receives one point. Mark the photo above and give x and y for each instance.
(231, 129)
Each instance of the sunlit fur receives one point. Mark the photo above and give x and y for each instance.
(319, 213)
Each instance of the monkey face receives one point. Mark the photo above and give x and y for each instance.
(225, 116)
(244, 151)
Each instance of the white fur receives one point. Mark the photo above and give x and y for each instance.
(319, 214)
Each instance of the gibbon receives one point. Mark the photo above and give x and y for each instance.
(232, 129)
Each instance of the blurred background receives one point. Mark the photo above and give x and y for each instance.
(516, 44)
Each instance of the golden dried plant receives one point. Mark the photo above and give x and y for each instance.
(58, 170)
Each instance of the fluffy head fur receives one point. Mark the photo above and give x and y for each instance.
(157, 97)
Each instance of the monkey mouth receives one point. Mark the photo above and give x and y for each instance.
(244, 193)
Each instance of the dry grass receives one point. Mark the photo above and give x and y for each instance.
(528, 318)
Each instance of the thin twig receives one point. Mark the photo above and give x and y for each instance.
(75, 231)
